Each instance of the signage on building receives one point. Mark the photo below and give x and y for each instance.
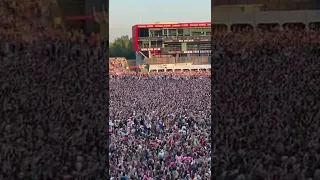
(180, 25)
(187, 40)
(150, 49)
(193, 52)
(190, 52)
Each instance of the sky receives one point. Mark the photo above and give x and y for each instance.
(123, 14)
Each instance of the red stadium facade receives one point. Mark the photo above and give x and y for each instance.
(172, 39)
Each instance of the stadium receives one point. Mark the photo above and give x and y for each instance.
(166, 46)
(160, 117)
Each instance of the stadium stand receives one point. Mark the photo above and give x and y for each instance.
(159, 42)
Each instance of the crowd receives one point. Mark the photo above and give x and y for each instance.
(118, 66)
(53, 92)
(265, 118)
(53, 119)
(159, 126)
(265, 109)
(52, 115)
(53, 85)
(23, 20)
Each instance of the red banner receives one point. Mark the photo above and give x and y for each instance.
(154, 52)
(178, 25)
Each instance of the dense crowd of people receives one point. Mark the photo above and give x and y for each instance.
(54, 86)
(159, 125)
(118, 66)
(53, 91)
(265, 105)
(23, 20)
(53, 119)
(265, 118)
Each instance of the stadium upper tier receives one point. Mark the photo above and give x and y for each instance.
(176, 39)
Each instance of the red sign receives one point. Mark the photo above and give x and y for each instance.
(179, 25)
(154, 52)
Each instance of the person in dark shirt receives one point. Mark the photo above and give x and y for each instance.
(124, 177)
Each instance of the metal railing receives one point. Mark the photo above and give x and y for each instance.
(177, 38)
(151, 46)
(186, 38)
(196, 60)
